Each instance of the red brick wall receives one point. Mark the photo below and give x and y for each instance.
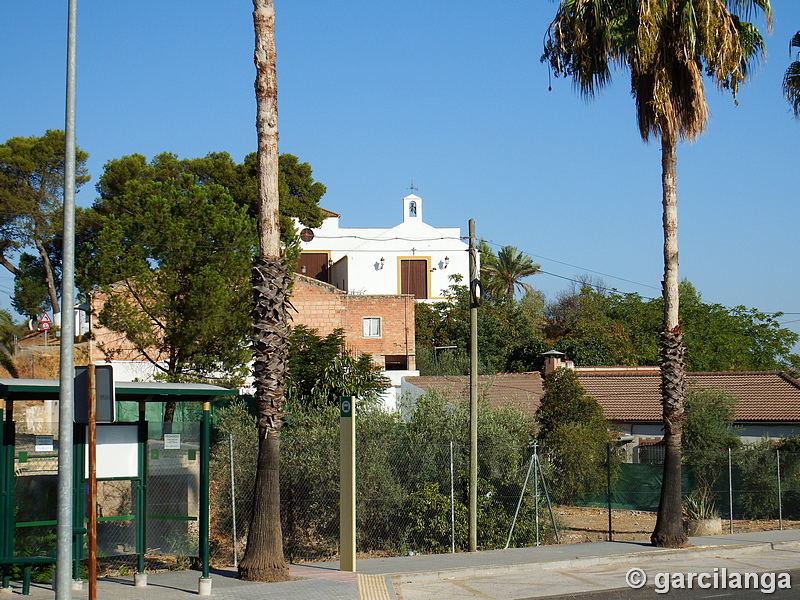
(322, 307)
(325, 308)
(111, 345)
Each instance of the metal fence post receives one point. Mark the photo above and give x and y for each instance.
(233, 502)
(536, 489)
(608, 491)
(730, 487)
(6, 531)
(452, 503)
(780, 498)
(141, 494)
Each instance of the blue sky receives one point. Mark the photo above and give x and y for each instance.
(450, 95)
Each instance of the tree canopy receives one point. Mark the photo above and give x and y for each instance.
(595, 326)
(574, 430)
(709, 429)
(299, 193)
(31, 197)
(173, 258)
(320, 370)
(503, 324)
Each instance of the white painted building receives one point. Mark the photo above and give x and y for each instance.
(409, 258)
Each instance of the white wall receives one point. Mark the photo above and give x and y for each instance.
(391, 397)
(356, 253)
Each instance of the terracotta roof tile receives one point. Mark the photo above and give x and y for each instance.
(523, 390)
(634, 396)
(763, 396)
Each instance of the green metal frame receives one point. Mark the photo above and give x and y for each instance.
(141, 492)
(142, 392)
(205, 451)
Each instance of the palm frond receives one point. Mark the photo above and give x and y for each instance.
(753, 46)
(794, 42)
(668, 47)
(748, 8)
(505, 273)
(791, 87)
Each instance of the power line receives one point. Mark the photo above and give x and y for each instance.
(578, 267)
(770, 314)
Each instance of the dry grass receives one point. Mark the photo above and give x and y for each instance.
(35, 361)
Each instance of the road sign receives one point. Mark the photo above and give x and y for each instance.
(44, 322)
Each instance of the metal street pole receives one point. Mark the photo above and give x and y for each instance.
(67, 356)
(474, 287)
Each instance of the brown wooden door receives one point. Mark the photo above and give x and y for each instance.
(314, 264)
(414, 277)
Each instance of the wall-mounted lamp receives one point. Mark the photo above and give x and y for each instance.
(446, 261)
(381, 263)
(303, 269)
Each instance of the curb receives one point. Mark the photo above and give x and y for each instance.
(589, 561)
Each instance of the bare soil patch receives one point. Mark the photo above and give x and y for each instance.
(578, 524)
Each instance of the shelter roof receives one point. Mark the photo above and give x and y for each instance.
(128, 391)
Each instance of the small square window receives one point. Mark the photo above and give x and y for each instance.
(371, 326)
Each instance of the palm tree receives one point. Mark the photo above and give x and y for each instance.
(667, 46)
(791, 81)
(504, 272)
(263, 559)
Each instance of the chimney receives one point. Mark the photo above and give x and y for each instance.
(553, 359)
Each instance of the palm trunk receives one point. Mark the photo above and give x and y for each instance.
(669, 522)
(264, 559)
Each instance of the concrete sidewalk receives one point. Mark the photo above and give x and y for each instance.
(387, 578)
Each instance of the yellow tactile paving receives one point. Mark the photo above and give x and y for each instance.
(372, 587)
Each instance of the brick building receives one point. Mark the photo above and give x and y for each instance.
(382, 325)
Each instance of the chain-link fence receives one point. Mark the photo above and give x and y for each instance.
(408, 500)
(412, 492)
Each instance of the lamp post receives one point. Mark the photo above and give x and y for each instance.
(64, 510)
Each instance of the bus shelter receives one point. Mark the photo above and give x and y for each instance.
(152, 476)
